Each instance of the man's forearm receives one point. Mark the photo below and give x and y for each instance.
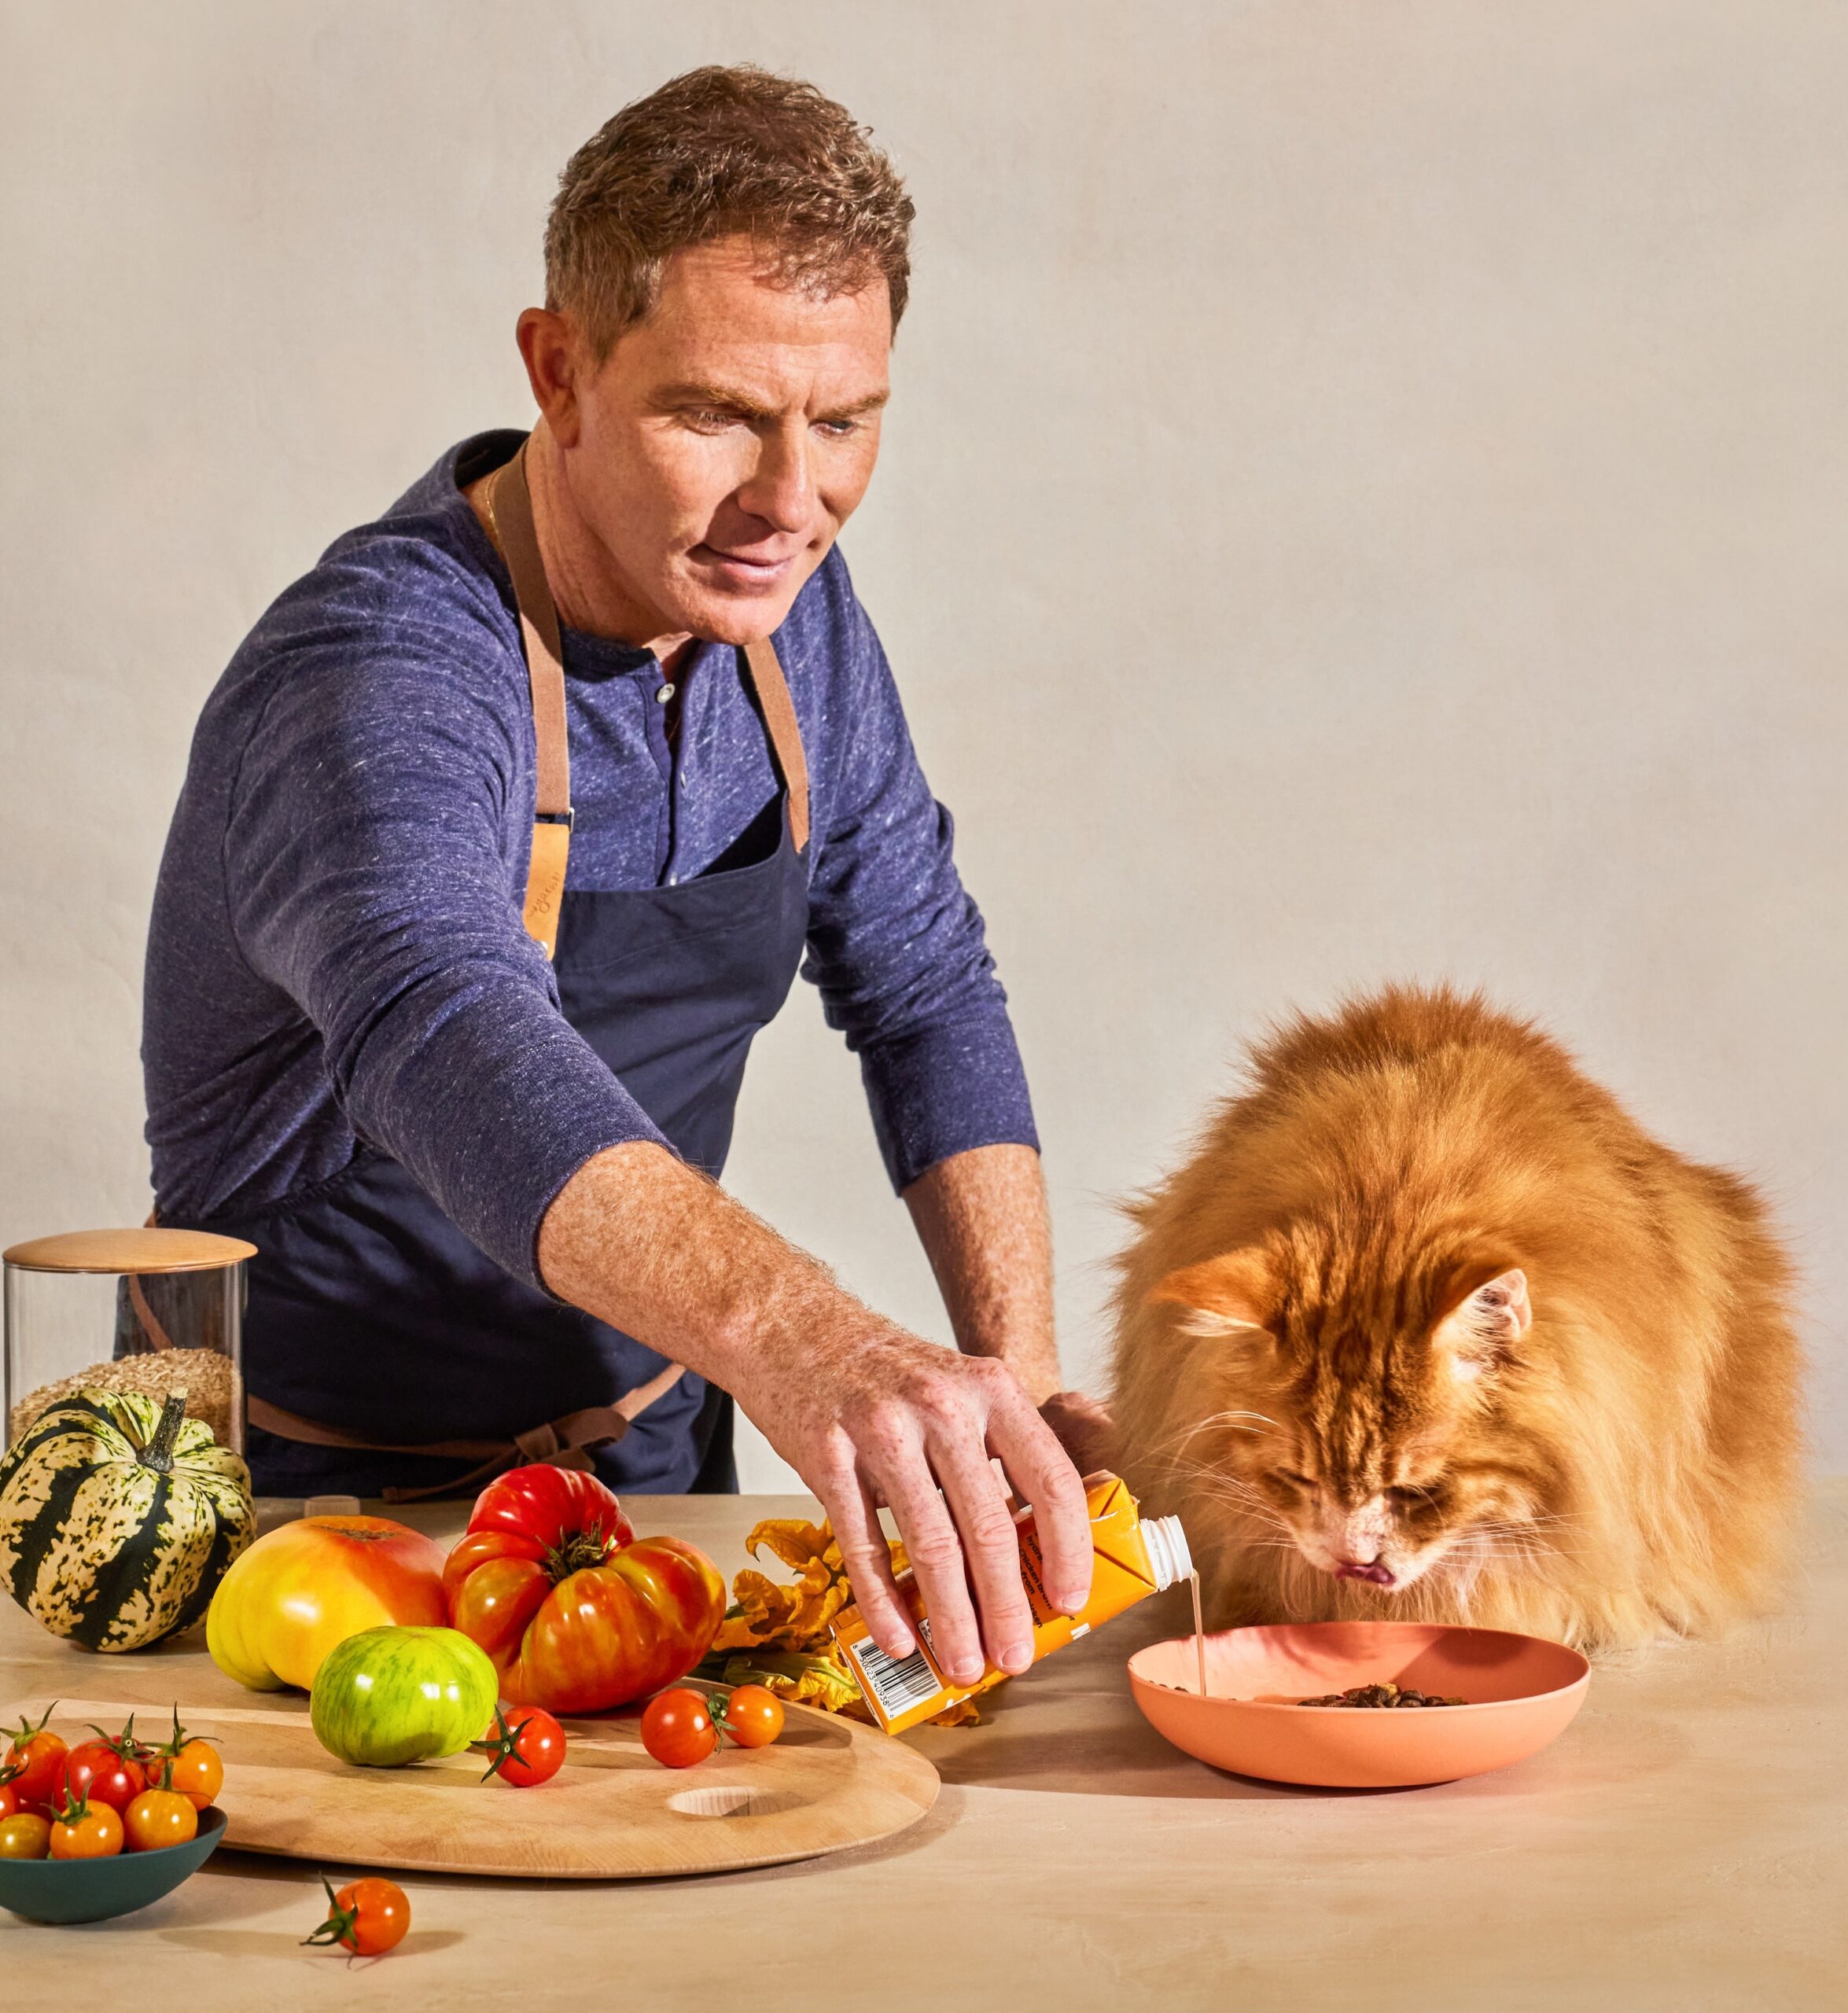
(982, 1218)
(644, 1242)
(862, 1411)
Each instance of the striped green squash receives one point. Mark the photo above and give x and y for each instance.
(118, 1517)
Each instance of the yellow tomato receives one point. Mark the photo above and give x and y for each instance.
(25, 1835)
(308, 1585)
(158, 1818)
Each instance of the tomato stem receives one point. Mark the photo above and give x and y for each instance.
(339, 1923)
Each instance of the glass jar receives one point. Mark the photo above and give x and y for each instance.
(152, 1311)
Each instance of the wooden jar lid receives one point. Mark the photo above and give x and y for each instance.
(129, 1251)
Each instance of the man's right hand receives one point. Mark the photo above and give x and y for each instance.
(862, 1410)
(872, 1414)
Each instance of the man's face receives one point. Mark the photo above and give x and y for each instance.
(717, 452)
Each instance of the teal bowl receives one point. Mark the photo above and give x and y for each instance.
(93, 1890)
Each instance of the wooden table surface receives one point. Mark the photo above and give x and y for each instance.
(1683, 1847)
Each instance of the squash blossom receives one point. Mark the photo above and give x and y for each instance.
(780, 1636)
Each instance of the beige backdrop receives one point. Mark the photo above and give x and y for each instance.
(1365, 496)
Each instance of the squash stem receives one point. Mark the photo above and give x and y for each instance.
(158, 1453)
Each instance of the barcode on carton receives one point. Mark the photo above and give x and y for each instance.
(895, 1686)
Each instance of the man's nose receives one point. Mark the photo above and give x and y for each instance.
(781, 488)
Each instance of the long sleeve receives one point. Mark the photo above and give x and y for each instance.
(897, 948)
(368, 876)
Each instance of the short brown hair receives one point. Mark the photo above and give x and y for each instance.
(724, 152)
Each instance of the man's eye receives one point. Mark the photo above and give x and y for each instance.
(838, 429)
(709, 420)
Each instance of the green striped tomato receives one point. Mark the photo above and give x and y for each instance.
(402, 1693)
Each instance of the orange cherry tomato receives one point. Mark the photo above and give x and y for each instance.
(159, 1817)
(368, 1918)
(82, 1830)
(752, 1715)
(25, 1835)
(40, 1757)
(198, 1772)
(677, 1729)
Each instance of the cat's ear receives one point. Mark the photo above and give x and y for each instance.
(1231, 1295)
(1486, 1318)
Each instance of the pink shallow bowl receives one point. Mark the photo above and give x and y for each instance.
(1523, 1692)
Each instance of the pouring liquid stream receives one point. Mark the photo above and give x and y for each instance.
(1199, 1633)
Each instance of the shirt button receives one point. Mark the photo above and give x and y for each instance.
(665, 693)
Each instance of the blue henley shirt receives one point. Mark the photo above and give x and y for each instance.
(336, 955)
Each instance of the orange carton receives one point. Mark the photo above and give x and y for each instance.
(1133, 1558)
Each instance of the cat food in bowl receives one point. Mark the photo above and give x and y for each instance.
(1520, 1692)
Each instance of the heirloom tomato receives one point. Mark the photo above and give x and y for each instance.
(306, 1585)
(391, 1695)
(578, 1613)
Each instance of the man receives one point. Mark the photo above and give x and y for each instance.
(507, 827)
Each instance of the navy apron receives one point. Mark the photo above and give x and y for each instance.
(385, 1354)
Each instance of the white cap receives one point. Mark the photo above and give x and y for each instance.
(1169, 1557)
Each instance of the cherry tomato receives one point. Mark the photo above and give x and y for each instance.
(677, 1730)
(97, 1772)
(25, 1835)
(8, 1795)
(368, 1918)
(159, 1817)
(198, 1772)
(82, 1830)
(40, 1758)
(752, 1715)
(526, 1748)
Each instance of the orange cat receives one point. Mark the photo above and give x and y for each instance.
(1429, 1328)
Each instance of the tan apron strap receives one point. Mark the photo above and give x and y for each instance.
(562, 1443)
(510, 507)
(786, 736)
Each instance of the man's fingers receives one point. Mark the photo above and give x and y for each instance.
(1043, 1471)
(936, 1555)
(868, 1559)
(991, 1549)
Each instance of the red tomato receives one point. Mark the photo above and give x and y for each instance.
(368, 1918)
(752, 1715)
(677, 1730)
(97, 1772)
(158, 1818)
(82, 1830)
(8, 1795)
(577, 1614)
(40, 1757)
(527, 1747)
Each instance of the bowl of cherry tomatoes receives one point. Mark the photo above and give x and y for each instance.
(106, 1826)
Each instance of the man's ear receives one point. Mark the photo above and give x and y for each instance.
(1485, 1318)
(1231, 1295)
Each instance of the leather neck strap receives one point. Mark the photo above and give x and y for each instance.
(509, 509)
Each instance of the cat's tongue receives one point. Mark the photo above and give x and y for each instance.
(1376, 1574)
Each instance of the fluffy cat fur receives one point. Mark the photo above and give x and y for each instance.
(1427, 1309)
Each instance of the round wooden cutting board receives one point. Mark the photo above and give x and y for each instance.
(611, 1813)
